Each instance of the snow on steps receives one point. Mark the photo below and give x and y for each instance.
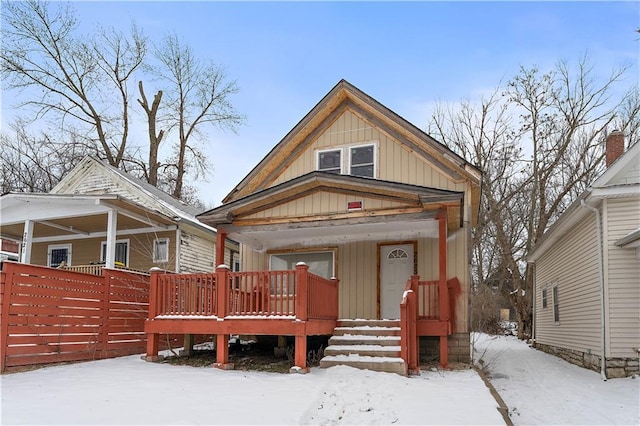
(366, 344)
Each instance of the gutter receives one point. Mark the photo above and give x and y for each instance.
(603, 372)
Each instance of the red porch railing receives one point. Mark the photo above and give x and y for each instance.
(428, 296)
(296, 293)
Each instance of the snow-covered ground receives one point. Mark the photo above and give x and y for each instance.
(130, 391)
(541, 389)
(538, 388)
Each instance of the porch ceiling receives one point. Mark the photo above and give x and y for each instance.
(71, 217)
(317, 233)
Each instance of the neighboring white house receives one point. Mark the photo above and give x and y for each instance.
(98, 214)
(587, 272)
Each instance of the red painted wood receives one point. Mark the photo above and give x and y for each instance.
(302, 302)
(220, 240)
(301, 351)
(443, 290)
(65, 315)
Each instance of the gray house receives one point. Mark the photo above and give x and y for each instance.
(587, 272)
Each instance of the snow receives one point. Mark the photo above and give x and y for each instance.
(542, 389)
(128, 390)
(538, 388)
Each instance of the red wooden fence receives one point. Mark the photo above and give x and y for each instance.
(50, 315)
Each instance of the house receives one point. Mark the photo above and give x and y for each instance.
(99, 215)
(587, 272)
(355, 218)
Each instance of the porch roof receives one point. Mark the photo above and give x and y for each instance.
(74, 216)
(411, 204)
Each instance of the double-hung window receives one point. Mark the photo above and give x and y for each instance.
(59, 254)
(357, 160)
(122, 252)
(556, 304)
(161, 250)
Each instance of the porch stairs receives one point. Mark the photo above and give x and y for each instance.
(366, 344)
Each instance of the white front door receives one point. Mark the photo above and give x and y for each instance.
(396, 267)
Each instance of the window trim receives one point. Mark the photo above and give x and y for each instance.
(345, 158)
(375, 162)
(320, 151)
(51, 247)
(103, 248)
(153, 249)
(333, 252)
(545, 298)
(555, 304)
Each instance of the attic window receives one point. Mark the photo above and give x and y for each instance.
(330, 161)
(358, 160)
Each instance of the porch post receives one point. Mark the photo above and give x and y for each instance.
(302, 314)
(442, 284)
(112, 224)
(222, 308)
(27, 241)
(221, 237)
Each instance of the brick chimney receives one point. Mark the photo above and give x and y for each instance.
(614, 146)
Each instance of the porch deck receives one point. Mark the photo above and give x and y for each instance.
(284, 303)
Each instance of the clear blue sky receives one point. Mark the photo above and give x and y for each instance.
(286, 56)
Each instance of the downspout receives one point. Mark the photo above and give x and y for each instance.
(603, 372)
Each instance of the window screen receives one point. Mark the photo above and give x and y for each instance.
(362, 161)
(330, 161)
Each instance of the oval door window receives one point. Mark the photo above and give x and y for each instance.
(397, 254)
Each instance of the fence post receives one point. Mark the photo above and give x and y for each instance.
(106, 296)
(153, 339)
(7, 281)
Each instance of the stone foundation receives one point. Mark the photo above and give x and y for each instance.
(459, 349)
(615, 367)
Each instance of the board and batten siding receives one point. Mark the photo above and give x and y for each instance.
(571, 264)
(357, 270)
(321, 203)
(622, 277)
(394, 161)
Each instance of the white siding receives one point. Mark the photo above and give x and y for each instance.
(623, 278)
(197, 254)
(572, 265)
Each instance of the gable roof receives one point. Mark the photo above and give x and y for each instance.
(621, 179)
(137, 190)
(344, 95)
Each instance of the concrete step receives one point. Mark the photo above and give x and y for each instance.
(371, 323)
(356, 339)
(363, 350)
(384, 364)
(366, 330)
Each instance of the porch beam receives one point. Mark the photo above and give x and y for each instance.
(336, 220)
(101, 234)
(140, 218)
(63, 228)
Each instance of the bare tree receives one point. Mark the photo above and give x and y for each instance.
(155, 137)
(35, 163)
(539, 141)
(197, 94)
(80, 82)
